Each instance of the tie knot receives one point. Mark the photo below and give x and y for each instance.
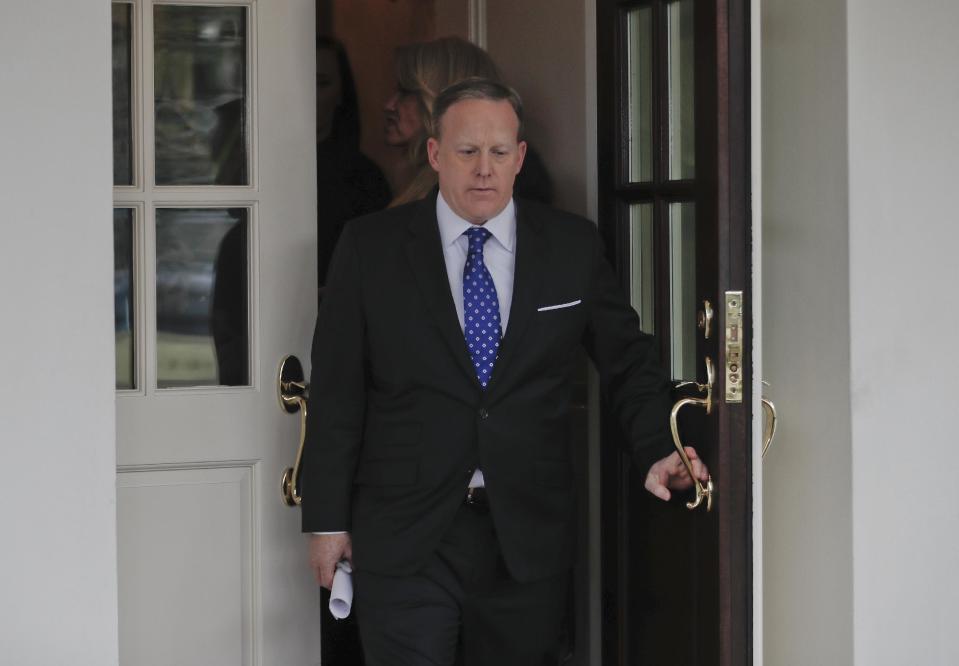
(477, 236)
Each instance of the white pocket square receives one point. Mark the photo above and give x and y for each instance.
(559, 306)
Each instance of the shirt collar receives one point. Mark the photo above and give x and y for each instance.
(452, 226)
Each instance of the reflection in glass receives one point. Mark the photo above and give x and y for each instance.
(124, 322)
(639, 37)
(682, 128)
(200, 95)
(641, 269)
(122, 94)
(682, 290)
(201, 297)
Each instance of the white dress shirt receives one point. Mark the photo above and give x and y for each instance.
(499, 255)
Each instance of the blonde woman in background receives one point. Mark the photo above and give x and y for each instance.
(423, 70)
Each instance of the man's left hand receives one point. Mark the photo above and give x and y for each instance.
(670, 473)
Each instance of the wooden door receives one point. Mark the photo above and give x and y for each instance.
(215, 254)
(674, 209)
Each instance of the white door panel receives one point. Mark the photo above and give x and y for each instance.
(212, 564)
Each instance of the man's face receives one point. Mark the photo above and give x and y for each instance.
(477, 157)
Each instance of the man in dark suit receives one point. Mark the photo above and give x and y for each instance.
(437, 455)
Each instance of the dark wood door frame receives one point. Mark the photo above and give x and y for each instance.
(734, 264)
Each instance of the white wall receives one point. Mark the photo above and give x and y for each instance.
(904, 321)
(861, 228)
(57, 497)
(807, 475)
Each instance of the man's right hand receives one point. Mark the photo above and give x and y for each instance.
(670, 473)
(325, 551)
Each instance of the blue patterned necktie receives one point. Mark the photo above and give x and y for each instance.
(481, 325)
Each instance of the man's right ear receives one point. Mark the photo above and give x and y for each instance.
(432, 153)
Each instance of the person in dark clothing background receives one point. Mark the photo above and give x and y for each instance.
(348, 183)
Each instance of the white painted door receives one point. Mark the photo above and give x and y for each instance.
(215, 282)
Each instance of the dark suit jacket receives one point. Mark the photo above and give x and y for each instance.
(397, 419)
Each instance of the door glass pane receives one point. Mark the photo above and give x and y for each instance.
(682, 290)
(122, 94)
(641, 270)
(639, 36)
(124, 312)
(200, 96)
(682, 145)
(201, 297)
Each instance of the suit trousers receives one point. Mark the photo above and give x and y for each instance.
(462, 608)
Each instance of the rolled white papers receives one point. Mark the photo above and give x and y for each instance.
(341, 592)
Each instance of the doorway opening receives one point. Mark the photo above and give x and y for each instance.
(368, 33)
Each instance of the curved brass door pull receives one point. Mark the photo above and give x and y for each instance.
(293, 391)
(703, 492)
(769, 426)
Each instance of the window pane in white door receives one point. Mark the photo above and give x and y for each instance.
(124, 288)
(122, 94)
(200, 95)
(682, 290)
(202, 301)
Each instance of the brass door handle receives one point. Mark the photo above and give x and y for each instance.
(293, 391)
(703, 492)
(769, 424)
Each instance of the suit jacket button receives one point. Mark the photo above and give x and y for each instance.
(483, 413)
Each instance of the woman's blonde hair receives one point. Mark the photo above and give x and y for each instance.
(424, 70)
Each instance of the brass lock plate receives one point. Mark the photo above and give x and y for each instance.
(734, 346)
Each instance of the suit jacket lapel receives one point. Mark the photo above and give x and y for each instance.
(425, 252)
(532, 259)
